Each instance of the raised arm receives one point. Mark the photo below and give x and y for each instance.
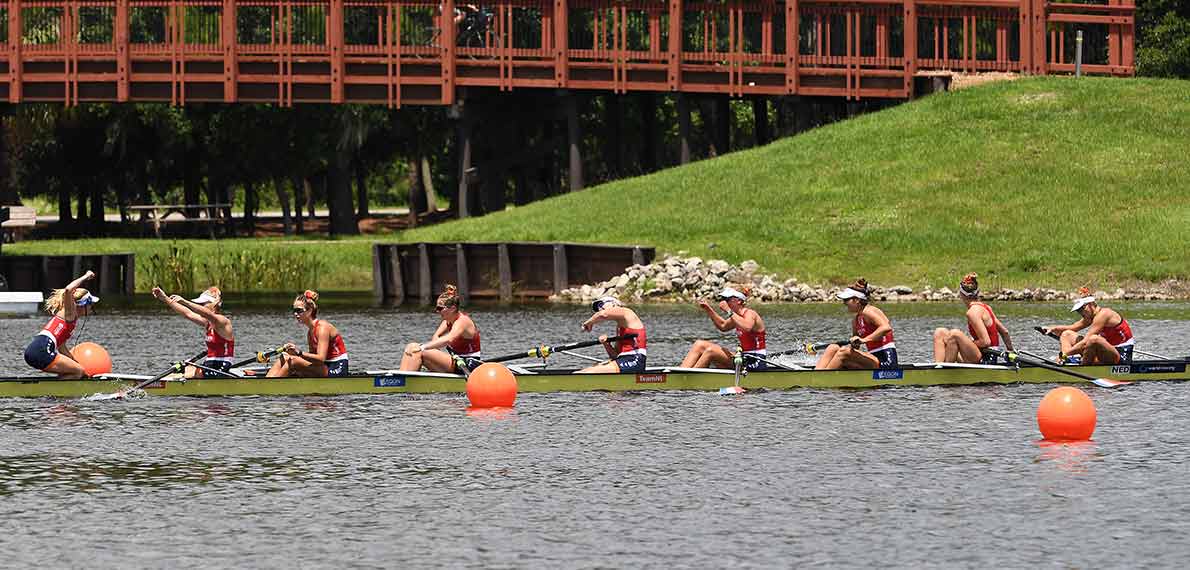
(175, 302)
(723, 324)
(70, 308)
(220, 322)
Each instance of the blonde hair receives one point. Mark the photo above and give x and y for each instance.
(449, 296)
(53, 303)
(309, 300)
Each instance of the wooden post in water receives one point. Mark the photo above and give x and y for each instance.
(560, 268)
(504, 268)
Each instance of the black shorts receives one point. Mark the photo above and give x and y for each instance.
(887, 357)
(220, 365)
(990, 358)
(41, 352)
(753, 362)
(470, 362)
(631, 363)
(1125, 353)
(336, 369)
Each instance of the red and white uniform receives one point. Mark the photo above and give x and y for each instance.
(993, 332)
(338, 350)
(219, 348)
(58, 330)
(1119, 335)
(752, 342)
(466, 347)
(863, 328)
(636, 345)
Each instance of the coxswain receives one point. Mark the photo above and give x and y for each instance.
(627, 355)
(327, 357)
(1108, 339)
(749, 330)
(456, 338)
(870, 328)
(48, 351)
(206, 311)
(981, 343)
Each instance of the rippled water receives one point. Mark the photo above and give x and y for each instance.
(938, 477)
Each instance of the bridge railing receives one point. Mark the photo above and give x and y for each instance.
(400, 52)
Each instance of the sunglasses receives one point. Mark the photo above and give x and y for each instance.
(440, 308)
(299, 310)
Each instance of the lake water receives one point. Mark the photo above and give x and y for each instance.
(923, 477)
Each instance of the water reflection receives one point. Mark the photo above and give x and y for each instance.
(1068, 456)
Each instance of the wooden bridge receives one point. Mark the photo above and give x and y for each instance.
(397, 52)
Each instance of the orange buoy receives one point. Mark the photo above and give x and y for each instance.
(93, 357)
(491, 385)
(1066, 414)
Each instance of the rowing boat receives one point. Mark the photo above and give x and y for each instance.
(558, 380)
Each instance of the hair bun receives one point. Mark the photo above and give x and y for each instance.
(450, 289)
(1084, 292)
(311, 295)
(860, 285)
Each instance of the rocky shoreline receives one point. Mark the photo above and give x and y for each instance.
(683, 279)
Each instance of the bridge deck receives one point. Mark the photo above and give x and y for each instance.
(397, 52)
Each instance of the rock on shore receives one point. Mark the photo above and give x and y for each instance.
(683, 279)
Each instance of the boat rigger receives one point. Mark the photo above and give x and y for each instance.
(557, 380)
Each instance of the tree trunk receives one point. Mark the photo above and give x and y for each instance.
(417, 191)
(648, 118)
(250, 202)
(283, 199)
(299, 200)
(97, 208)
(8, 191)
(338, 198)
(64, 214)
(191, 183)
(311, 187)
(82, 198)
(361, 189)
(427, 183)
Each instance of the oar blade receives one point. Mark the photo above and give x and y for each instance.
(731, 391)
(1108, 383)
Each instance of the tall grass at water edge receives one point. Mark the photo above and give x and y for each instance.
(238, 270)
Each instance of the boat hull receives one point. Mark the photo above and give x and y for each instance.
(565, 381)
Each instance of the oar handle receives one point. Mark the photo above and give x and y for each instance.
(178, 366)
(260, 357)
(813, 348)
(546, 351)
(1045, 332)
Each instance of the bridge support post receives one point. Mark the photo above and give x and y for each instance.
(14, 51)
(684, 128)
(574, 142)
(465, 169)
(760, 113)
(910, 43)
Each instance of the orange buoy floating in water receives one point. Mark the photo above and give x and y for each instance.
(93, 357)
(1066, 414)
(491, 385)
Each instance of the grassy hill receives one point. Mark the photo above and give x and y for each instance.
(1041, 181)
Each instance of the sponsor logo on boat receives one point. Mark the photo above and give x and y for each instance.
(888, 374)
(1149, 368)
(650, 378)
(388, 381)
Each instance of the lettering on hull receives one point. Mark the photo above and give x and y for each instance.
(888, 374)
(1156, 368)
(650, 378)
(388, 382)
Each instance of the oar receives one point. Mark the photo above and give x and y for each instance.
(813, 348)
(178, 366)
(738, 359)
(546, 351)
(1134, 349)
(1039, 362)
(261, 357)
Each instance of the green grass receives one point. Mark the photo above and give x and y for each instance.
(1038, 182)
(1044, 181)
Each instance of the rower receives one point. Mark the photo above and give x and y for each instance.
(629, 354)
(1108, 340)
(457, 336)
(983, 344)
(870, 327)
(749, 328)
(47, 351)
(327, 356)
(206, 310)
